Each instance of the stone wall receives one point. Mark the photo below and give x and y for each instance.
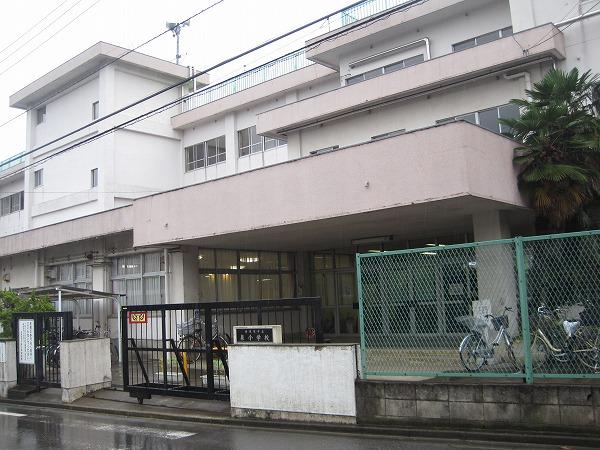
(479, 403)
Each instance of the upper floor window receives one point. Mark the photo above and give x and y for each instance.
(95, 110)
(41, 115)
(402, 64)
(488, 118)
(249, 142)
(38, 178)
(12, 203)
(140, 277)
(207, 153)
(94, 178)
(483, 39)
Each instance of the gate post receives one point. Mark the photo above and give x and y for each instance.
(124, 345)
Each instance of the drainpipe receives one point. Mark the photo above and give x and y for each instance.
(167, 273)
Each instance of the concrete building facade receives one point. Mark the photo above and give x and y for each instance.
(382, 134)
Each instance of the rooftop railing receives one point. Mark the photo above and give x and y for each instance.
(12, 161)
(246, 80)
(366, 9)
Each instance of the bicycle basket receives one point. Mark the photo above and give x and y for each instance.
(472, 323)
(187, 327)
(500, 321)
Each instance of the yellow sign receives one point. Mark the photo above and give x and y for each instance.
(138, 317)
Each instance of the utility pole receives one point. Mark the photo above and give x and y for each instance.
(176, 29)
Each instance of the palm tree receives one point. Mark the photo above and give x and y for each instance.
(560, 153)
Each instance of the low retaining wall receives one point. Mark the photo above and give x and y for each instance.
(8, 365)
(483, 405)
(293, 382)
(84, 367)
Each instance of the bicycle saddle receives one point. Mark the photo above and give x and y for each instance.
(571, 327)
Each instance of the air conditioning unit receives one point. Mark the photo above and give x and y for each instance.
(51, 273)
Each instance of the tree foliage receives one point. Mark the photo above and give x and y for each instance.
(11, 303)
(560, 153)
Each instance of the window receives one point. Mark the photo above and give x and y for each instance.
(249, 142)
(229, 275)
(482, 39)
(205, 154)
(74, 274)
(402, 64)
(140, 277)
(41, 115)
(95, 110)
(12, 203)
(488, 118)
(38, 178)
(94, 178)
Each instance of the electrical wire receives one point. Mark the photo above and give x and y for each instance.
(51, 36)
(32, 27)
(370, 20)
(115, 59)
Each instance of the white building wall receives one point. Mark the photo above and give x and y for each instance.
(19, 271)
(16, 221)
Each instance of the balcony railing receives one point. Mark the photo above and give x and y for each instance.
(12, 161)
(366, 9)
(246, 80)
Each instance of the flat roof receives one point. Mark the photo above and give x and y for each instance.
(68, 292)
(85, 64)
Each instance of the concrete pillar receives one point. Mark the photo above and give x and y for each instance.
(231, 143)
(84, 367)
(8, 365)
(102, 308)
(496, 269)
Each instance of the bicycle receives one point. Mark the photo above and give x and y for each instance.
(193, 342)
(52, 349)
(475, 351)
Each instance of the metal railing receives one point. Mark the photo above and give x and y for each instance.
(168, 354)
(522, 308)
(12, 161)
(246, 80)
(366, 9)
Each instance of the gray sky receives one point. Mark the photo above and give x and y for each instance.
(224, 30)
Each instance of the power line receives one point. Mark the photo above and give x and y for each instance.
(113, 60)
(51, 36)
(360, 25)
(32, 27)
(41, 31)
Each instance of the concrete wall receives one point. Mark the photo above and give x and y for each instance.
(479, 404)
(293, 382)
(84, 367)
(8, 366)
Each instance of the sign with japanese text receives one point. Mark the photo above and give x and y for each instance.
(26, 341)
(254, 335)
(138, 317)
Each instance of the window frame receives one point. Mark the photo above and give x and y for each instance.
(142, 275)
(384, 70)
(500, 33)
(38, 178)
(477, 117)
(94, 178)
(260, 145)
(96, 110)
(196, 156)
(40, 115)
(12, 203)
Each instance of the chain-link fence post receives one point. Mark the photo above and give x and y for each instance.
(524, 306)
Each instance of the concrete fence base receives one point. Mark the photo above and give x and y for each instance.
(85, 367)
(293, 382)
(478, 404)
(8, 365)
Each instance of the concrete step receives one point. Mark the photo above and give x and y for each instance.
(21, 391)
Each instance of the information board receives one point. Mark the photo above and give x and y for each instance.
(26, 341)
(254, 335)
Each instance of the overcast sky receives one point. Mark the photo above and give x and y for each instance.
(226, 29)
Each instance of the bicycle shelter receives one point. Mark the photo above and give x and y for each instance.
(38, 336)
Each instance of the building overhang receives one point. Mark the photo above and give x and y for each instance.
(87, 63)
(527, 47)
(439, 175)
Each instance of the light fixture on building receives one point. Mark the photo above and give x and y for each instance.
(372, 240)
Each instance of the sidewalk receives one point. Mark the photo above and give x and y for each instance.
(117, 402)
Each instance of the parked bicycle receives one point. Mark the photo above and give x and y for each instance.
(98, 332)
(52, 349)
(475, 351)
(193, 342)
(565, 341)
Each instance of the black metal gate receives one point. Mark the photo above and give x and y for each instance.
(38, 337)
(181, 349)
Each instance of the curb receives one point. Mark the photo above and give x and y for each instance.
(519, 436)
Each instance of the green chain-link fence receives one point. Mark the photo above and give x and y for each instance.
(522, 308)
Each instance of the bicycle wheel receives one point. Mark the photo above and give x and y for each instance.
(220, 344)
(588, 348)
(539, 351)
(512, 359)
(472, 352)
(189, 342)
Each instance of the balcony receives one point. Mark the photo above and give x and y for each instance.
(430, 180)
(542, 42)
(13, 161)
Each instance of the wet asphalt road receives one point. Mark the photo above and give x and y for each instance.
(41, 428)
